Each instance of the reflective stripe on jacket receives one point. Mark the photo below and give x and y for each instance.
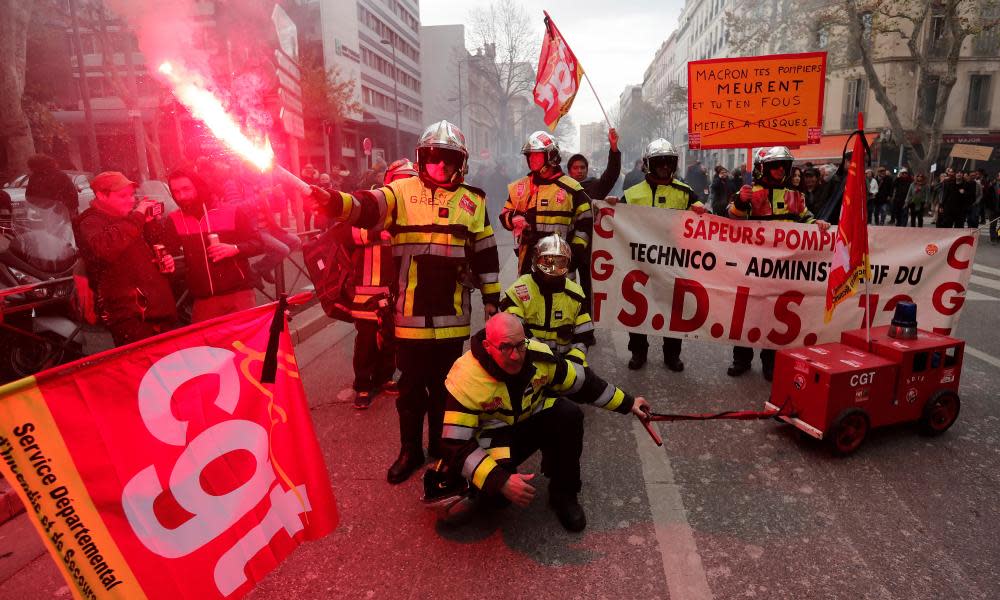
(443, 246)
(677, 195)
(558, 206)
(556, 316)
(772, 204)
(484, 406)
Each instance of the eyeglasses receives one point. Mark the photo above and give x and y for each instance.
(509, 349)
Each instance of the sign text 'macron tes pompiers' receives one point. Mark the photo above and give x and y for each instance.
(756, 101)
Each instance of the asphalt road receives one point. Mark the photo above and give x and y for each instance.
(726, 509)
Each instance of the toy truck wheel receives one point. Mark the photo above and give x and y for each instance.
(849, 431)
(940, 412)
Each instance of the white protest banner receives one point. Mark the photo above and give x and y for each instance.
(763, 283)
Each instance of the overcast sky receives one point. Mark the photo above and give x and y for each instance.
(613, 40)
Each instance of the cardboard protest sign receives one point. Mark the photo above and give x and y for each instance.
(971, 151)
(772, 100)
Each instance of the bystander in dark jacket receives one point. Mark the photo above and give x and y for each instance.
(634, 176)
(900, 188)
(957, 195)
(217, 242)
(48, 186)
(115, 237)
(721, 190)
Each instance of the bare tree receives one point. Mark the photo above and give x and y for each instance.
(933, 32)
(921, 38)
(14, 127)
(504, 30)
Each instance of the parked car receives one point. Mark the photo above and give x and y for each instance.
(24, 212)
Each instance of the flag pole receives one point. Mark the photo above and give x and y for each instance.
(610, 126)
(868, 297)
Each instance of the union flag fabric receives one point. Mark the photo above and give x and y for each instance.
(559, 76)
(165, 468)
(850, 249)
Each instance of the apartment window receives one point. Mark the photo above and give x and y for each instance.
(866, 29)
(987, 43)
(977, 110)
(854, 102)
(937, 34)
(822, 37)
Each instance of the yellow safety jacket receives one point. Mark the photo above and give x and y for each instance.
(557, 206)
(555, 313)
(443, 246)
(772, 204)
(485, 405)
(677, 195)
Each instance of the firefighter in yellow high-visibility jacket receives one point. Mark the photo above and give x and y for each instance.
(443, 246)
(660, 189)
(547, 201)
(509, 397)
(769, 199)
(552, 307)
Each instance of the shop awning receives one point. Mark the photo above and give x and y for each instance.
(827, 150)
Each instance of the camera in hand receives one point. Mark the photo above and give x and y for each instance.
(155, 209)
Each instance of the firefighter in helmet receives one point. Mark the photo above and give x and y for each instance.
(508, 397)
(546, 201)
(660, 189)
(769, 199)
(552, 307)
(374, 345)
(443, 246)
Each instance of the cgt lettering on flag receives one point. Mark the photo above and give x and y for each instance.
(559, 74)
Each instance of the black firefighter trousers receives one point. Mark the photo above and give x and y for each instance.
(558, 433)
(423, 367)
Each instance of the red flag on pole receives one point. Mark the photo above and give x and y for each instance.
(850, 249)
(559, 76)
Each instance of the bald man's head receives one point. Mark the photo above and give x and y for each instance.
(505, 342)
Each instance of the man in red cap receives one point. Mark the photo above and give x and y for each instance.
(134, 298)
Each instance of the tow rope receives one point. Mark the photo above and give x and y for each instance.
(738, 415)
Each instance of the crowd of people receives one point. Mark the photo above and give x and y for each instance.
(420, 237)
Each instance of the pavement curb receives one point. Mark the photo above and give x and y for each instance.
(10, 503)
(308, 323)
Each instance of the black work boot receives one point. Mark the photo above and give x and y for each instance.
(569, 511)
(637, 361)
(408, 461)
(675, 364)
(737, 368)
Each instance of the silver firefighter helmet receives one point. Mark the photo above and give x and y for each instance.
(552, 256)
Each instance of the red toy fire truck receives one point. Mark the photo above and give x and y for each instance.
(838, 392)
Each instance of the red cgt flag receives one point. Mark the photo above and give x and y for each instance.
(850, 249)
(559, 76)
(166, 469)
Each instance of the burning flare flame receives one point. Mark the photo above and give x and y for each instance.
(207, 108)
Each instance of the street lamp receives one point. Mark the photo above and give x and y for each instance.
(395, 94)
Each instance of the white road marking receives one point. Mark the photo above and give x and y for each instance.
(985, 269)
(682, 565)
(990, 283)
(987, 358)
(974, 295)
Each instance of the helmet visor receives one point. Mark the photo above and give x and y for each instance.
(553, 265)
(656, 162)
(435, 155)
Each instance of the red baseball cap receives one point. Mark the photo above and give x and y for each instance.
(110, 181)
